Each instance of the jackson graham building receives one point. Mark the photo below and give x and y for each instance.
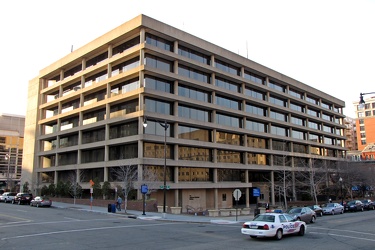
(227, 122)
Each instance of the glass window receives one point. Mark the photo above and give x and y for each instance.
(194, 113)
(228, 103)
(92, 155)
(123, 130)
(297, 121)
(191, 133)
(157, 128)
(256, 142)
(126, 45)
(296, 107)
(276, 130)
(194, 154)
(119, 152)
(252, 109)
(97, 59)
(256, 126)
(227, 120)
(276, 86)
(278, 116)
(295, 93)
(195, 55)
(125, 87)
(93, 135)
(72, 71)
(228, 156)
(158, 84)
(226, 84)
(194, 174)
(158, 106)
(257, 159)
(194, 74)
(277, 101)
(158, 63)
(125, 66)
(228, 138)
(227, 67)
(159, 42)
(156, 150)
(194, 93)
(254, 93)
(255, 78)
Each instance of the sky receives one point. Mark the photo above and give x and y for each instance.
(327, 44)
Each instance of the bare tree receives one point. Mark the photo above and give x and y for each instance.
(75, 177)
(126, 175)
(313, 175)
(150, 178)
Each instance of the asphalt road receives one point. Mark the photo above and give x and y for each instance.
(25, 227)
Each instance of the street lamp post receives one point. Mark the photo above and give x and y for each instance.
(342, 194)
(165, 125)
(7, 157)
(361, 100)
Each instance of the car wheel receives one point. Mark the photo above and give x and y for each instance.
(342, 211)
(333, 212)
(301, 231)
(313, 219)
(253, 236)
(279, 234)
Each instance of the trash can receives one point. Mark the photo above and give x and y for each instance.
(109, 208)
(113, 208)
(256, 211)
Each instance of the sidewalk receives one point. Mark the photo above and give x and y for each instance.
(158, 216)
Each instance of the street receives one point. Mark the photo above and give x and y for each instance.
(25, 227)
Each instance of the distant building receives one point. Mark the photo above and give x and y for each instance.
(228, 122)
(365, 122)
(351, 134)
(11, 150)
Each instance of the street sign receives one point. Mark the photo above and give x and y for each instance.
(166, 187)
(144, 189)
(237, 194)
(256, 192)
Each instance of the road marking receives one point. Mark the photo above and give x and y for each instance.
(87, 229)
(344, 236)
(340, 230)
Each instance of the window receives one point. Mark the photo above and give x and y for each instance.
(277, 101)
(158, 84)
(228, 103)
(255, 78)
(194, 93)
(194, 113)
(252, 109)
(192, 54)
(276, 86)
(126, 45)
(227, 67)
(254, 93)
(227, 120)
(226, 84)
(159, 42)
(157, 106)
(191, 133)
(194, 74)
(159, 63)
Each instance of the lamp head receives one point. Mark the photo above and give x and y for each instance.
(145, 122)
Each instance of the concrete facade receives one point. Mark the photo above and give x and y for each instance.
(231, 121)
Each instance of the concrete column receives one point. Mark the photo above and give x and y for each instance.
(273, 201)
(176, 198)
(216, 198)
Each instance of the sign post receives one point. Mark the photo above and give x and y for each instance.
(144, 191)
(256, 193)
(237, 195)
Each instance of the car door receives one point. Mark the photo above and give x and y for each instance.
(290, 225)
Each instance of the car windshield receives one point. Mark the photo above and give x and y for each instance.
(351, 202)
(264, 217)
(295, 210)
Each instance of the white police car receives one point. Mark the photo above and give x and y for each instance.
(273, 225)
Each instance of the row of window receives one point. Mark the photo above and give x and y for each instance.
(162, 64)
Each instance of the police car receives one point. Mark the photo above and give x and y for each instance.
(273, 225)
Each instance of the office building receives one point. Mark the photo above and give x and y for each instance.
(228, 122)
(11, 150)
